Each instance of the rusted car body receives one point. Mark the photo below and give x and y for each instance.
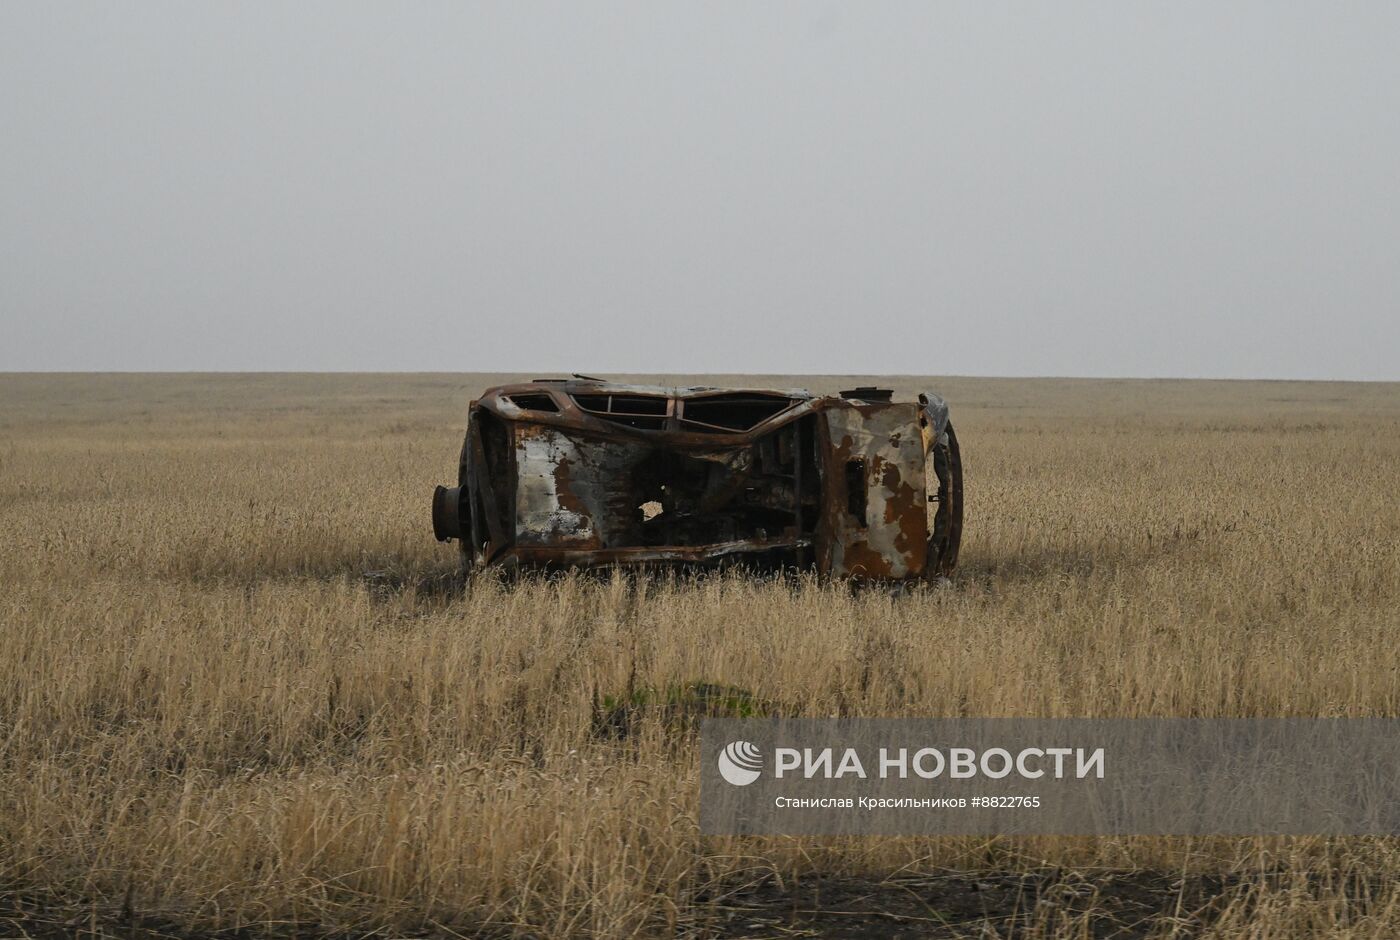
(587, 473)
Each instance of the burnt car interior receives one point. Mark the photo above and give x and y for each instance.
(698, 501)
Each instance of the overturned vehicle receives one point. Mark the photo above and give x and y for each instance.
(585, 473)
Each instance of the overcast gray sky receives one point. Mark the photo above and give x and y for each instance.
(1173, 189)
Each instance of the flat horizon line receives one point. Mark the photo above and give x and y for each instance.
(834, 375)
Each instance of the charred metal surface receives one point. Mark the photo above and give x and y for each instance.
(880, 530)
(582, 472)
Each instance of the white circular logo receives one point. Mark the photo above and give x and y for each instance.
(740, 763)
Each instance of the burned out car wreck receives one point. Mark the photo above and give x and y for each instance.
(586, 473)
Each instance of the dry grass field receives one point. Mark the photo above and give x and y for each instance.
(212, 718)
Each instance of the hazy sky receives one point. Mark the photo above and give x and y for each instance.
(1172, 189)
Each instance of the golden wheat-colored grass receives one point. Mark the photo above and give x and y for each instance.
(208, 711)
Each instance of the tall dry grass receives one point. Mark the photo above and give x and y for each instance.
(207, 709)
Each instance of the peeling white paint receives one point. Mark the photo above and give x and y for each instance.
(539, 517)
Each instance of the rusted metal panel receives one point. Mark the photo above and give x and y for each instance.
(877, 515)
(571, 493)
(547, 510)
(587, 473)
